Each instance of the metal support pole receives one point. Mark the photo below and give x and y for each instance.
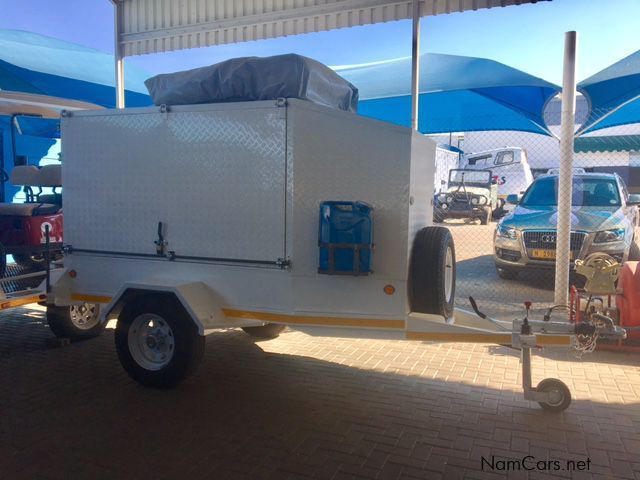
(118, 53)
(47, 258)
(526, 371)
(565, 180)
(415, 65)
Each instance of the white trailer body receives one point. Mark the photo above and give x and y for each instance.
(190, 218)
(237, 187)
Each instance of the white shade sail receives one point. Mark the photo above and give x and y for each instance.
(150, 26)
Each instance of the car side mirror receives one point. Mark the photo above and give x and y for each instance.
(634, 199)
(512, 199)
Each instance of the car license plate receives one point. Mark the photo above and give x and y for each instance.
(543, 254)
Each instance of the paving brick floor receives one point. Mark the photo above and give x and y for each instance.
(300, 407)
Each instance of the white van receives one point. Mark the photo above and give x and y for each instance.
(510, 167)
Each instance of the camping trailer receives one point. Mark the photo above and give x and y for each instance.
(258, 215)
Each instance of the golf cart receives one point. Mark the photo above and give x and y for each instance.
(23, 226)
(470, 194)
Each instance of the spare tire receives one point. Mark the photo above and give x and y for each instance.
(432, 272)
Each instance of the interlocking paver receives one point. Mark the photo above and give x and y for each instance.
(304, 407)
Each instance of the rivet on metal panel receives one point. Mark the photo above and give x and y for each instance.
(281, 102)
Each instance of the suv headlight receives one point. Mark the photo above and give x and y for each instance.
(482, 200)
(442, 198)
(474, 201)
(607, 236)
(506, 232)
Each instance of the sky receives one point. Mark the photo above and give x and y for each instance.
(527, 37)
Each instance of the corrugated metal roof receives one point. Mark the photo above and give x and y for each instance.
(151, 26)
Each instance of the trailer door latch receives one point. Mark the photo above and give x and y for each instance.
(160, 243)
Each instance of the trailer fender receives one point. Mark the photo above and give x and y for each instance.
(199, 302)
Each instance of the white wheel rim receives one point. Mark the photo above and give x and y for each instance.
(151, 341)
(84, 316)
(448, 275)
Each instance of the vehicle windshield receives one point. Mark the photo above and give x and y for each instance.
(471, 178)
(587, 192)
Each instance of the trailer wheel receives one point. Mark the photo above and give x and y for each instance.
(157, 343)
(559, 395)
(432, 272)
(76, 322)
(265, 332)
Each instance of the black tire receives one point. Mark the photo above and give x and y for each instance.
(427, 278)
(77, 322)
(486, 216)
(188, 345)
(507, 273)
(562, 392)
(634, 252)
(265, 332)
(438, 215)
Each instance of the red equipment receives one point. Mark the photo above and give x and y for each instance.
(23, 226)
(623, 307)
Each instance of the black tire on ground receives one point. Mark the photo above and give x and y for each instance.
(507, 273)
(634, 251)
(77, 322)
(432, 272)
(265, 332)
(135, 341)
(486, 216)
(562, 395)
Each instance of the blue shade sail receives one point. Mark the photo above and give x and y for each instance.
(613, 95)
(33, 63)
(457, 94)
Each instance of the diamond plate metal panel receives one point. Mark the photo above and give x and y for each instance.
(215, 177)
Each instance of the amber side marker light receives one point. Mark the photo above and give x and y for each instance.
(389, 289)
(73, 273)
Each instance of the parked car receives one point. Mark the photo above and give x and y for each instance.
(603, 218)
(510, 171)
(470, 194)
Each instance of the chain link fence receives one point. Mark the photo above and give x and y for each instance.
(497, 192)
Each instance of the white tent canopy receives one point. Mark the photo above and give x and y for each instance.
(149, 26)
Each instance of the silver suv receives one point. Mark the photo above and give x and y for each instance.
(603, 219)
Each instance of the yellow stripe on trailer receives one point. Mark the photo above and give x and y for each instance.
(21, 301)
(497, 338)
(80, 297)
(313, 320)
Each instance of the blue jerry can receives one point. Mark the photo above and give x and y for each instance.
(345, 238)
